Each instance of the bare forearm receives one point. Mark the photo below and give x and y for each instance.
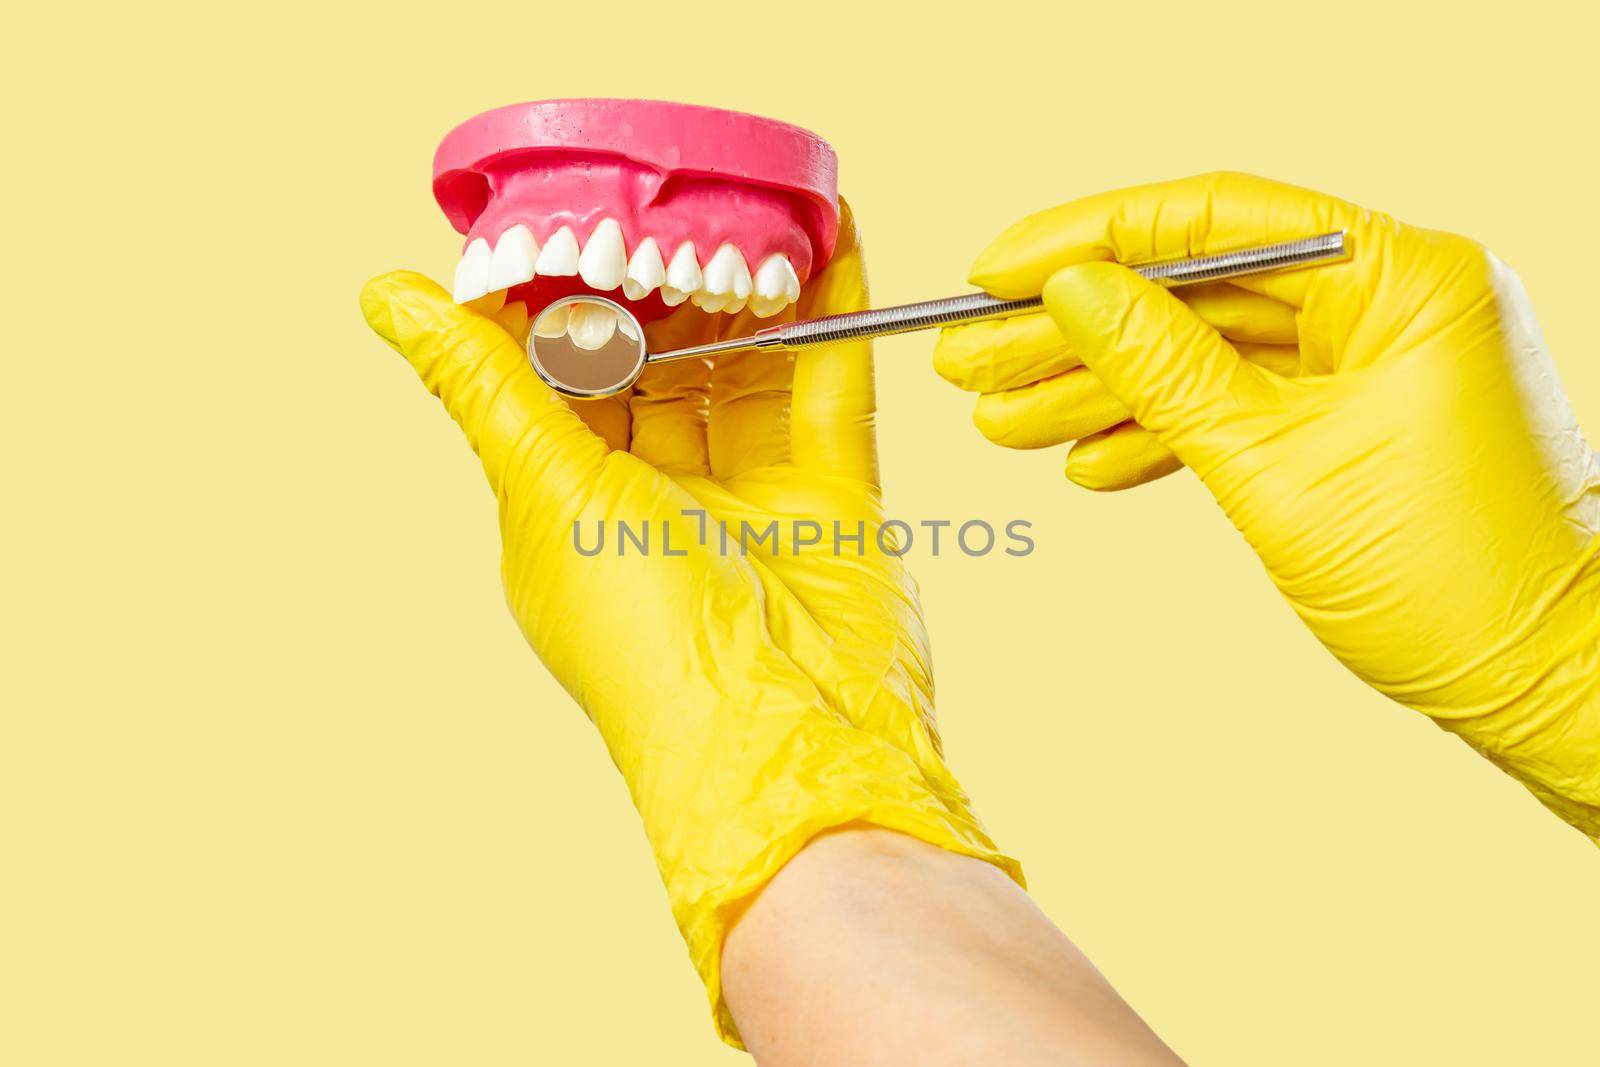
(874, 948)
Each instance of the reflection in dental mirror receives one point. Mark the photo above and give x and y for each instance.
(586, 346)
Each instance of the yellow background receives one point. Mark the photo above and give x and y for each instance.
(281, 784)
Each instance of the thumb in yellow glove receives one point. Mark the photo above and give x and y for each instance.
(751, 701)
(1389, 434)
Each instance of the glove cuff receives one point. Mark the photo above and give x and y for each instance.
(827, 774)
(1548, 736)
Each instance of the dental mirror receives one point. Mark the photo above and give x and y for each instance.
(590, 346)
(586, 347)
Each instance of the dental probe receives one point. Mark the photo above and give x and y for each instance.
(970, 307)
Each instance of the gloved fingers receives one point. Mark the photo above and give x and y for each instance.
(748, 425)
(996, 354)
(1240, 314)
(1282, 360)
(1000, 354)
(1058, 409)
(668, 403)
(1155, 355)
(1076, 404)
(668, 408)
(1120, 458)
(483, 378)
(1195, 216)
(609, 417)
(513, 319)
(751, 392)
(489, 305)
(834, 408)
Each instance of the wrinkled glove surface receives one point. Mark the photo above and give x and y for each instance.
(750, 700)
(1389, 434)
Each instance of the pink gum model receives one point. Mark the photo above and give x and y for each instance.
(673, 172)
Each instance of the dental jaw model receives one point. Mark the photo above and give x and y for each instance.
(647, 203)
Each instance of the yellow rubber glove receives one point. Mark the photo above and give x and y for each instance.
(1389, 434)
(750, 702)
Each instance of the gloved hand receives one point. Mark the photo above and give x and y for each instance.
(1388, 433)
(750, 702)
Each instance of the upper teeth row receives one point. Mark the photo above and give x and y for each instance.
(724, 283)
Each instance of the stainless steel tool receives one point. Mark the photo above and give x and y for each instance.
(581, 354)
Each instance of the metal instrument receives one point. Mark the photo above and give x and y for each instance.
(569, 359)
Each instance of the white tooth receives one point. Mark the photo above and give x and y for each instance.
(764, 307)
(472, 273)
(773, 283)
(514, 256)
(559, 256)
(709, 302)
(775, 276)
(683, 276)
(605, 258)
(591, 326)
(723, 270)
(646, 271)
(553, 321)
(626, 327)
(727, 282)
